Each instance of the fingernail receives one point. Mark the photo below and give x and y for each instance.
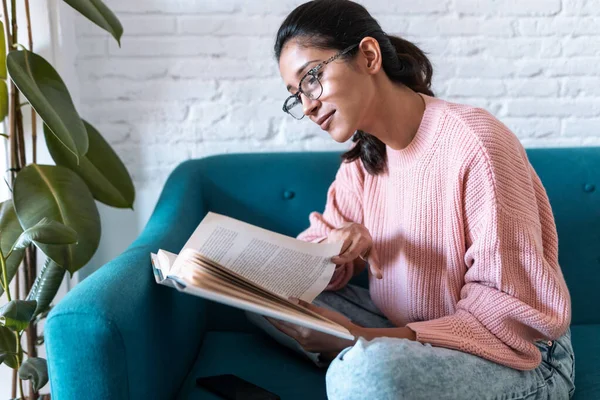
(294, 300)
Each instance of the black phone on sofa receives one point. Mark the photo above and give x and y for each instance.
(232, 387)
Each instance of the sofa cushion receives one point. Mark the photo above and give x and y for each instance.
(586, 345)
(257, 359)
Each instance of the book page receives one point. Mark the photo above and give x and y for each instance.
(166, 260)
(216, 289)
(160, 274)
(284, 265)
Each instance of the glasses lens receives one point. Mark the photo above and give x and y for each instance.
(294, 107)
(311, 87)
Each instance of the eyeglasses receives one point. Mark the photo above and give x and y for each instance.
(310, 86)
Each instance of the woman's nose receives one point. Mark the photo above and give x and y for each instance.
(308, 104)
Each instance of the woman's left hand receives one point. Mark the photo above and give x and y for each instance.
(315, 341)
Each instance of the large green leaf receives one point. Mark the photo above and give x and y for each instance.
(17, 314)
(46, 285)
(2, 52)
(42, 86)
(36, 369)
(48, 232)
(10, 230)
(3, 100)
(101, 169)
(59, 194)
(97, 12)
(8, 347)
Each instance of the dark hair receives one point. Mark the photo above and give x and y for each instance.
(338, 24)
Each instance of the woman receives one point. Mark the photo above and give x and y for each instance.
(466, 298)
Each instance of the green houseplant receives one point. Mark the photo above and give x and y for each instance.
(52, 207)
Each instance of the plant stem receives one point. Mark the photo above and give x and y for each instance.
(7, 290)
(5, 276)
(17, 296)
(12, 119)
(31, 252)
(21, 388)
(14, 384)
(9, 41)
(19, 362)
(18, 161)
(19, 142)
(17, 284)
(11, 37)
(28, 15)
(33, 114)
(13, 14)
(20, 135)
(6, 23)
(31, 269)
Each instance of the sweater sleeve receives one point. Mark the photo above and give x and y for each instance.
(344, 204)
(514, 291)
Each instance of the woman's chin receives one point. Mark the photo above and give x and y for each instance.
(340, 136)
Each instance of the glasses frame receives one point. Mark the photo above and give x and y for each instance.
(313, 72)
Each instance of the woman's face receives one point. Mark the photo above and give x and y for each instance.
(346, 89)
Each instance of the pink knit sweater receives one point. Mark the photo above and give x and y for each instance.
(465, 236)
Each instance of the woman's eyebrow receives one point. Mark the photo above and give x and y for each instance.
(300, 71)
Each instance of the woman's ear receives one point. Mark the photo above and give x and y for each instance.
(370, 55)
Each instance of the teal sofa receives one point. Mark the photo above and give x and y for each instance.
(119, 335)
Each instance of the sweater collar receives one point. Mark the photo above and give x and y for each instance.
(426, 135)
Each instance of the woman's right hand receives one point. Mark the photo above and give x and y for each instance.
(357, 244)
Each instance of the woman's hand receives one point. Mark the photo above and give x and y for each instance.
(357, 244)
(316, 341)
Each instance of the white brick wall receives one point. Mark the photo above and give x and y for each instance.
(197, 77)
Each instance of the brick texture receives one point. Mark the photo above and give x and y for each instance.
(195, 78)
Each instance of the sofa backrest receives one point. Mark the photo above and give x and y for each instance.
(278, 191)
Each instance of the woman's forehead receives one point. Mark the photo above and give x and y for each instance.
(296, 59)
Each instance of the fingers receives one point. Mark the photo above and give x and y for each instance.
(357, 243)
(346, 245)
(351, 253)
(284, 327)
(299, 333)
(374, 265)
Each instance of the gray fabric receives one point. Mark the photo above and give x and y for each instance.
(388, 368)
(391, 368)
(355, 303)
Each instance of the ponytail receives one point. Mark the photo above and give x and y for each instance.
(414, 68)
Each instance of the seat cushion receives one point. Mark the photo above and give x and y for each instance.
(586, 345)
(257, 359)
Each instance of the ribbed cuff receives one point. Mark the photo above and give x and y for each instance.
(439, 332)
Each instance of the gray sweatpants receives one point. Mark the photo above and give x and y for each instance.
(392, 368)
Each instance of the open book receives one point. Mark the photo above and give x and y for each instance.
(251, 268)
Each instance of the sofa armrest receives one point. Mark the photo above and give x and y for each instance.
(120, 335)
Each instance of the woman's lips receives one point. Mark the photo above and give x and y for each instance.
(325, 124)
